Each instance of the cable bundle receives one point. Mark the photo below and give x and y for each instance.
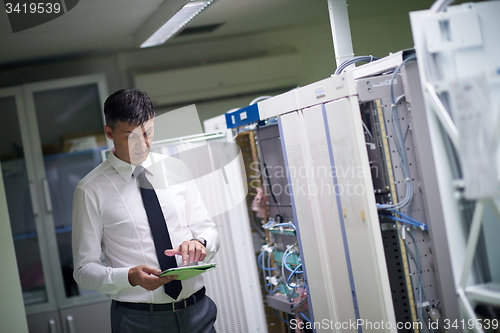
(352, 61)
(399, 140)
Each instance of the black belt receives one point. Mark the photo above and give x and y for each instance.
(175, 306)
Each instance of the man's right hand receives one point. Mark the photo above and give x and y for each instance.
(146, 277)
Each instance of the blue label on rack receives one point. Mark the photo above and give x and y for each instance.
(244, 116)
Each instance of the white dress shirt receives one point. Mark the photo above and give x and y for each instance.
(109, 218)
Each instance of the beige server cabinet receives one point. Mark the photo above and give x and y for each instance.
(49, 141)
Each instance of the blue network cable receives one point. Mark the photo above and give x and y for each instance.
(409, 218)
(304, 316)
(261, 258)
(284, 260)
(295, 271)
(283, 320)
(407, 221)
(271, 225)
(269, 288)
(288, 224)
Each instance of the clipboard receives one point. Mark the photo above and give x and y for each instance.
(187, 272)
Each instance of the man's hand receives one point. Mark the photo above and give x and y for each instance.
(145, 276)
(191, 251)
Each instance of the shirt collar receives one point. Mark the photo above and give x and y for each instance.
(125, 169)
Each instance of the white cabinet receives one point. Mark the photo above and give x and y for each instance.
(40, 172)
(45, 322)
(93, 317)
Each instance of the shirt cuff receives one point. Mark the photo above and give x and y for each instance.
(120, 278)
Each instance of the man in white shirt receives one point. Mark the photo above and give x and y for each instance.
(109, 217)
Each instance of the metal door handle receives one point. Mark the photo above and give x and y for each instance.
(34, 205)
(71, 324)
(46, 192)
(52, 326)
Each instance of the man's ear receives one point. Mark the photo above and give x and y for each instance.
(109, 132)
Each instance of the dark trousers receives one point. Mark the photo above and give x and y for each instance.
(197, 318)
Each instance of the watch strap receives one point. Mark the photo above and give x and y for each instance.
(201, 240)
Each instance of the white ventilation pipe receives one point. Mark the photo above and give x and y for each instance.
(341, 31)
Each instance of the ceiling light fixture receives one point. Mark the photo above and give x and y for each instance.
(176, 22)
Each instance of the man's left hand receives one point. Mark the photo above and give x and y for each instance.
(191, 251)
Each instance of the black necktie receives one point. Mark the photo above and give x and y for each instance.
(159, 230)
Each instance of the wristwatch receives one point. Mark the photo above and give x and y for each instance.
(201, 240)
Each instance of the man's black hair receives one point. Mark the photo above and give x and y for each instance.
(128, 105)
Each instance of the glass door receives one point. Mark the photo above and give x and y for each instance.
(21, 192)
(66, 120)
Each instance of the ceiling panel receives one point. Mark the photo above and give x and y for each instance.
(107, 26)
(95, 27)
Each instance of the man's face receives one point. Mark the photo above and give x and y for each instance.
(132, 142)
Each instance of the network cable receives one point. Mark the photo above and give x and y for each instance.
(369, 133)
(406, 221)
(304, 316)
(266, 269)
(294, 272)
(410, 219)
(352, 61)
(283, 320)
(260, 262)
(399, 141)
(272, 225)
(258, 99)
(288, 289)
(269, 290)
(418, 264)
(284, 262)
(418, 267)
(285, 224)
